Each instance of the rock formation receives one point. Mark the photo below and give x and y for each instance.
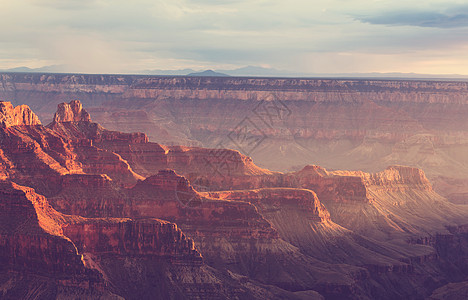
(64, 256)
(71, 112)
(16, 116)
(125, 213)
(352, 124)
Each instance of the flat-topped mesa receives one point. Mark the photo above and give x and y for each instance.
(212, 165)
(392, 176)
(71, 112)
(343, 188)
(279, 198)
(245, 88)
(204, 161)
(290, 89)
(401, 175)
(396, 201)
(167, 180)
(169, 186)
(17, 116)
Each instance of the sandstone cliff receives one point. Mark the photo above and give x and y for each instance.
(33, 248)
(17, 116)
(397, 201)
(34, 155)
(71, 112)
(62, 256)
(303, 221)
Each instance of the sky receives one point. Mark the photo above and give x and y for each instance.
(303, 36)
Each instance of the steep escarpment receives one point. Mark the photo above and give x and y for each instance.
(230, 234)
(166, 195)
(51, 255)
(343, 192)
(30, 154)
(398, 201)
(128, 237)
(302, 220)
(17, 116)
(28, 222)
(34, 251)
(233, 235)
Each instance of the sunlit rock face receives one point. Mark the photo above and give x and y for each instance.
(53, 255)
(16, 116)
(71, 112)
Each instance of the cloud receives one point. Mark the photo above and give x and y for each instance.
(66, 5)
(420, 18)
(122, 36)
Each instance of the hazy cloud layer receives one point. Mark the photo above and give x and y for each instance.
(299, 35)
(450, 19)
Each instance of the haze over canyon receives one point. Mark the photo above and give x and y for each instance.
(339, 124)
(152, 187)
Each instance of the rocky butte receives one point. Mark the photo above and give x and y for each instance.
(101, 213)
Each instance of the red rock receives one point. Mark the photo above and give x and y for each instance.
(68, 256)
(71, 112)
(283, 236)
(128, 237)
(16, 116)
(31, 235)
(37, 156)
(230, 234)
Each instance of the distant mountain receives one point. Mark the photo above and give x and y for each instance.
(254, 71)
(208, 73)
(393, 75)
(19, 70)
(181, 72)
(244, 71)
(47, 69)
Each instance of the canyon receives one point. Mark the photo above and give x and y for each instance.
(98, 212)
(282, 123)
